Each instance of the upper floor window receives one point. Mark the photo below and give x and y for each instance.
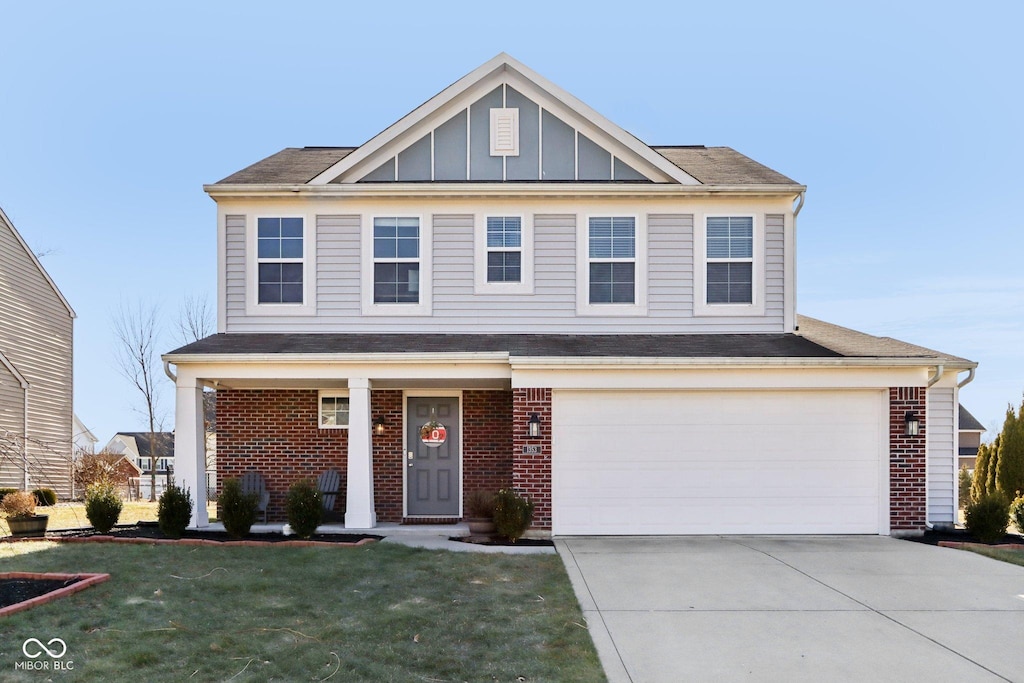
(730, 260)
(279, 253)
(612, 264)
(504, 249)
(396, 260)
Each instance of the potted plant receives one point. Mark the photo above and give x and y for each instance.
(19, 508)
(480, 513)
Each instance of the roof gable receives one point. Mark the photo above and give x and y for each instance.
(466, 106)
(5, 221)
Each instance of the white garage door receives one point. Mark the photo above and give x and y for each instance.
(717, 462)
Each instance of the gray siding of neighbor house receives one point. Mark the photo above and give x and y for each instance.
(36, 337)
(551, 308)
(942, 440)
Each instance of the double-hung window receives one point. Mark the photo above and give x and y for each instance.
(612, 260)
(504, 249)
(333, 410)
(279, 253)
(396, 260)
(730, 260)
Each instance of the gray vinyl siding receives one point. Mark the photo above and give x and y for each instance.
(940, 428)
(36, 337)
(234, 233)
(337, 266)
(551, 308)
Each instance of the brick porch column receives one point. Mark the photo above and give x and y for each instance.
(907, 455)
(531, 472)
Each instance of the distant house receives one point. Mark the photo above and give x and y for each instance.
(969, 439)
(83, 441)
(36, 331)
(136, 447)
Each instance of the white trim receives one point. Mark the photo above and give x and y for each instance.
(701, 308)
(480, 251)
(253, 307)
(789, 271)
(426, 261)
(884, 523)
(14, 371)
(329, 393)
(429, 393)
(640, 259)
(222, 269)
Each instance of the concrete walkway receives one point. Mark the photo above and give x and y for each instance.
(862, 608)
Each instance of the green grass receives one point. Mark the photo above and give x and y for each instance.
(72, 515)
(1002, 554)
(380, 612)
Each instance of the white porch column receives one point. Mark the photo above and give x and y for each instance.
(190, 447)
(359, 507)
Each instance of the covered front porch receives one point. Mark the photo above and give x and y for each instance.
(291, 421)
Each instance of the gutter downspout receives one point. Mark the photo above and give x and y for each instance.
(939, 371)
(792, 257)
(24, 440)
(968, 380)
(167, 371)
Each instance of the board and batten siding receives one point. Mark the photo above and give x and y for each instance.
(942, 448)
(551, 308)
(36, 338)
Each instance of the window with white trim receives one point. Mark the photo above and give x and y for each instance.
(144, 464)
(729, 260)
(396, 260)
(280, 266)
(612, 260)
(333, 410)
(504, 249)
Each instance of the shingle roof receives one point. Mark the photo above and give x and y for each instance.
(852, 344)
(164, 443)
(969, 423)
(709, 165)
(722, 166)
(536, 345)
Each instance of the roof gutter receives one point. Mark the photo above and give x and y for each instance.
(968, 380)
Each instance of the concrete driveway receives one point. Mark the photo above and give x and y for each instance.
(725, 608)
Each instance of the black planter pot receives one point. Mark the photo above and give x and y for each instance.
(28, 527)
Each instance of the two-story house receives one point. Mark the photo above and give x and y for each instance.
(36, 335)
(504, 288)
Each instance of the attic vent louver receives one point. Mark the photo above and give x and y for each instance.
(504, 132)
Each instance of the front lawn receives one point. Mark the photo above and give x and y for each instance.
(380, 612)
(72, 515)
(1003, 554)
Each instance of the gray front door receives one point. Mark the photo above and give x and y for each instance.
(432, 456)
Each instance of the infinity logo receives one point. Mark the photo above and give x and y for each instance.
(55, 653)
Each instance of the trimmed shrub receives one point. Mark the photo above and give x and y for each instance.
(1017, 512)
(988, 517)
(237, 509)
(102, 505)
(18, 504)
(45, 497)
(174, 511)
(305, 508)
(965, 481)
(513, 514)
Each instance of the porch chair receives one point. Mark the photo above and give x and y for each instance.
(329, 485)
(252, 482)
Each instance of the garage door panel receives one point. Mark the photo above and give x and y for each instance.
(716, 462)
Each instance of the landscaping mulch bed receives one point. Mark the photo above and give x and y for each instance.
(13, 591)
(935, 537)
(497, 540)
(24, 590)
(150, 531)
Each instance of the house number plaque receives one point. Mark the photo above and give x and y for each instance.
(531, 450)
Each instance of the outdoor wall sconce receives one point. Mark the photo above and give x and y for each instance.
(533, 426)
(913, 425)
(378, 426)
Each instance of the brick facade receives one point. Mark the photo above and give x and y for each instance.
(531, 474)
(275, 432)
(907, 456)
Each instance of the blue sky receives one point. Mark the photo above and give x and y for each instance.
(903, 119)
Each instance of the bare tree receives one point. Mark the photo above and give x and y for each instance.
(196, 319)
(136, 330)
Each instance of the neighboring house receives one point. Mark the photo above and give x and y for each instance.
(136, 447)
(506, 289)
(83, 441)
(36, 332)
(970, 431)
